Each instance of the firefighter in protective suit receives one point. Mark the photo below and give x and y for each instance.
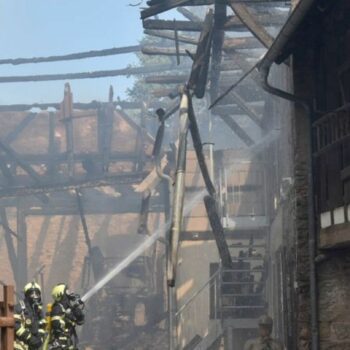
(67, 313)
(30, 324)
(264, 342)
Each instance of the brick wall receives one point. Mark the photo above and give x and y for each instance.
(334, 296)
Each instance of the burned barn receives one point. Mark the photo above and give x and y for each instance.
(205, 209)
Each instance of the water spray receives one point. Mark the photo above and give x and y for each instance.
(160, 232)
(147, 243)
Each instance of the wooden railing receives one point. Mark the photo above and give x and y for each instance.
(331, 129)
(6, 319)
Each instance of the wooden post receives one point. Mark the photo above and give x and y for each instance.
(6, 319)
(22, 253)
(67, 113)
(140, 142)
(108, 127)
(9, 242)
(52, 144)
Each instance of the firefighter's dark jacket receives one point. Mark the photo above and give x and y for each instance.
(64, 318)
(29, 322)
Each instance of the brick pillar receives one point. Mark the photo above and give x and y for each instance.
(303, 87)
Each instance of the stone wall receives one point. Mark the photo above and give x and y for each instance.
(334, 308)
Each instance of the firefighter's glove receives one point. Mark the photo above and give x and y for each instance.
(35, 342)
(78, 315)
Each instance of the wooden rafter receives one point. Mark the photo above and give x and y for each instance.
(246, 109)
(220, 16)
(233, 23)
(39, 189)
(233, 125)
(12, 136)
(230, 44)
(253, 23)
(158, 7)
(188, 14)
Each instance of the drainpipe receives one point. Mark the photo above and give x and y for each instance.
(264, 71)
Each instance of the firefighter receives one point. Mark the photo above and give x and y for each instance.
(30, 324)
(67, 313)
(264, 341)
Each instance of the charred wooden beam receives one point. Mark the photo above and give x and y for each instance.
(157, 146)
(140, 142)
(144, 211)
(164, 51)
(109, 121)
(12, 136)
(233, 86)
(166, 79)
(243, 43)
(189, 14)
(246, 109)
(104, 206)
(171, 36)
(52, 145)
(177, 44)
(193, 2)
(165, 92)
(67, 114)
(87, 75)
(73, 56)
(181, 79)
(198, 147)
(253, 23)
(146, 135)
(26, 167)
(233, 109)
(59, 158)
(233, 125)
(248, 91)
(7, 173)
(76, 105)
(159, 7)
(220, 16)
(112, 180)
(199, 73)
(78, 196)
(230, 44)
(229, 65)
(232, 23)
(218, 231)
(183, 51)
(9, 242)
(22, 247)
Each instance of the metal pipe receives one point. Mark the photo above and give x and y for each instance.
(179, 191)
(264, 70)
(157, 153)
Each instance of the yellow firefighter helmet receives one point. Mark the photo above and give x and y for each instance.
(31, 286)
(59, 291)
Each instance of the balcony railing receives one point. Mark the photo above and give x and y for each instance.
(331, 129)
